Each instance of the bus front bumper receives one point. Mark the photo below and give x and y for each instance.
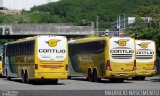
(51, 75)
(112, 74)
(146, 73)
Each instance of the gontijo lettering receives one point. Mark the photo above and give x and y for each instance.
(52, 51)
(122, 51)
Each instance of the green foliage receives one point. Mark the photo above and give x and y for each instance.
(30, 17)
(3, 41)
(77, 11)
(36, 17)
(13, 18)
(143, 29)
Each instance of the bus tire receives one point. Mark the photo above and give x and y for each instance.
(95, 76)
(90, 76)
(69, 77)
(112, 80)
(7, 76)
(135, 78)
(142, 78)
(28, 81)
(55, 81)
(23, 77)
(121, 80)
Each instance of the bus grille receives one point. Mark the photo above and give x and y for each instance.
(144, 56)
(122, 56)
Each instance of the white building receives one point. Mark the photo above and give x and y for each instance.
(23, 4)
(123, 23)
(1, 3)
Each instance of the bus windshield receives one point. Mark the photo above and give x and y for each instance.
(52, 48)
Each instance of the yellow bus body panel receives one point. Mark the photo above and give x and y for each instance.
(98, 61)
(92, 61)
(121, 70)
(37, 68)
(145, 69)
(48, 69)
(0, 68)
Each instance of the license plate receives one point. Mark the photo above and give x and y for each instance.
(122, 74)
(144, 72)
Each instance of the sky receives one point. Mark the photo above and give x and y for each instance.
(24, 4)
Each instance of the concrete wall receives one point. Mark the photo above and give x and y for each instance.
(37, 29)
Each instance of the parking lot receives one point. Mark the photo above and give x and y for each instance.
(81, 84)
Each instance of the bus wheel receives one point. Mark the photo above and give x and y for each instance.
(95, 77)
(135, 78)
(23, 77)
(28, 81)
(112, 80)
(7, 75)
(90, 77)
(142, 78)
(69, 77)
(120, 80)
(55, 81)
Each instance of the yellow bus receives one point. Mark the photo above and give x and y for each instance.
(145, 59)
(38, 57)
(102, 57)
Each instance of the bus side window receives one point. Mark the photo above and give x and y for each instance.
(80, 48)
(71, 49)
(89, 47)
(16, 49)
(77, 49)
(102, 45)
(24, 48)
(13, 50)
(32, 47)
(20, 48)
(98, 46)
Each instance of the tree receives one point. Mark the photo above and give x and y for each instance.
(147, 29)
